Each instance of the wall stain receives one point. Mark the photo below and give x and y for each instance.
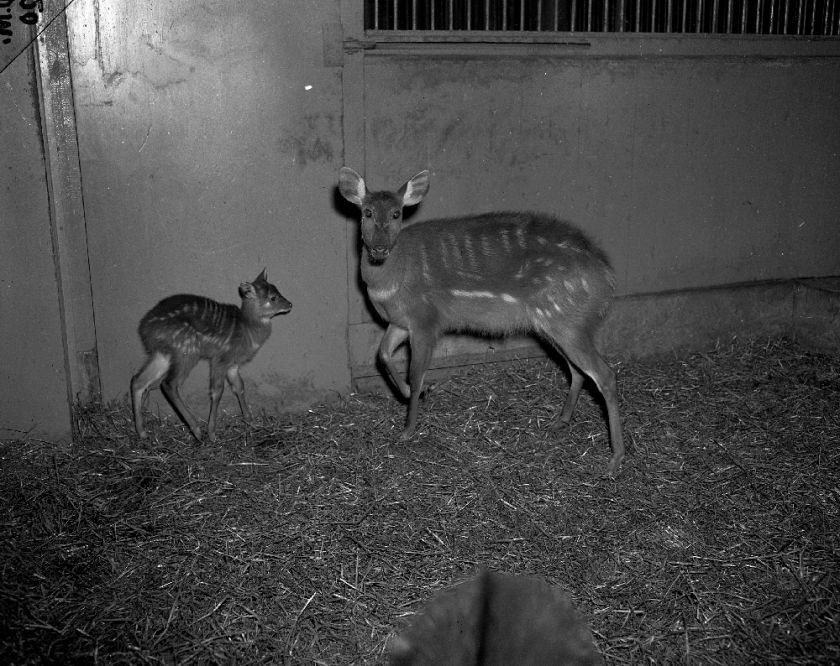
(312, 143)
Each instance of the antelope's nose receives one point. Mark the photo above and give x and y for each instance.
(379, 252)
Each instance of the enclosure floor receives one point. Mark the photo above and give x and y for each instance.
(311, 538)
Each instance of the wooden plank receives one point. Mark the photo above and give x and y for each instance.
(67, 214)
(353, 89)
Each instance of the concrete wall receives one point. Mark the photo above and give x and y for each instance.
(210, 136)
(33, 390)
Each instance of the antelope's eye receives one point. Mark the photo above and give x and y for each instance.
(273, 298)
(367, 212)
(396, 214)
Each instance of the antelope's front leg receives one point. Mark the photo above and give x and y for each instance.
(217, 388)
(238, 387)
(421, 354)
(393, 338)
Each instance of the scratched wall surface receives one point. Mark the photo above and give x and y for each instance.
(33, 397)
(210, 136)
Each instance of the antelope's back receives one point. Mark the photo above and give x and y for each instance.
(517, 254)
(188, 324)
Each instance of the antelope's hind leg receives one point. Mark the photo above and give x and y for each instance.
(575, 384)
(584, 356)
(156, 366)
(171, 387)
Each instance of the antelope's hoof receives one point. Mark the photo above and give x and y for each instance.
(562, 424)
(613, 468)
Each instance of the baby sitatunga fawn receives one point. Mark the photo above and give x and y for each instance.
(496, 274)
(182, 330)
(497, 619)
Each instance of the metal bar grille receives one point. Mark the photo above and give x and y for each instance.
(757, 17)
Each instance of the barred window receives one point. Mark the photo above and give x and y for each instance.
(754, 17)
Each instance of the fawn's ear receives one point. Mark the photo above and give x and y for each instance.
(246, 290)
(262, 277)
(351, 185)
(415, 189)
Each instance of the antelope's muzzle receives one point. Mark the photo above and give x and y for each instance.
(378, 254)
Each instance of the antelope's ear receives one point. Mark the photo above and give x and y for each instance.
(351, 185)
(262, 277)
(246, 290)
(415, 189)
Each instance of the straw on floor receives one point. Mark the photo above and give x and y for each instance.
(309, 539)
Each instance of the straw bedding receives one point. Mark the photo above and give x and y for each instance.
(311, 538)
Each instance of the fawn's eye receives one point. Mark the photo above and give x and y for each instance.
(367, 212)
(396, 214)
(273, 298)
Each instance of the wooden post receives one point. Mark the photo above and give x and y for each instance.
(67, 212)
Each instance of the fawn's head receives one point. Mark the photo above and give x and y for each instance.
(381, 211)
(261, 299)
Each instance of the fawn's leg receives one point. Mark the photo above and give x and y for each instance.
(238, 388)
(217, 388)
(171, 389)
(156, 366)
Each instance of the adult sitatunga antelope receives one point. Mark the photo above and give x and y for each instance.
(492, 274)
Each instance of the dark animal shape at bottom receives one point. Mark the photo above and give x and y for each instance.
(496, 619)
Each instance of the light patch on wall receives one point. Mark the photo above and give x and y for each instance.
(308, 140)
(307, 87)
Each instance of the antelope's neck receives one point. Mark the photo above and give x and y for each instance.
(383, 281)
(258, 331)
